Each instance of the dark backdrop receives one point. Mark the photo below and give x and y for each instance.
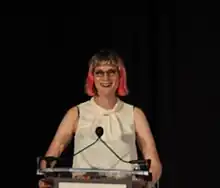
(172, 75)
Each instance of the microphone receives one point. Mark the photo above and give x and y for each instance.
(49, 160)
(99, 132)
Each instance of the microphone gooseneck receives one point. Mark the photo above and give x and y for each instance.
(86, 147)
(99, 132)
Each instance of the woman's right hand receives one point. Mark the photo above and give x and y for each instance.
(43, 183)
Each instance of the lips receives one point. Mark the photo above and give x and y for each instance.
(106, 84)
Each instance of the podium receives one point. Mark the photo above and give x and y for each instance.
(59, 177)
(97, 178)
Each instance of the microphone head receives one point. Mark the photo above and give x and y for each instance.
(99, 131)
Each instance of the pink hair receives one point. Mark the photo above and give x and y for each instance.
(122, 88)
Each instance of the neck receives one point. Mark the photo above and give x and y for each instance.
(106, 102)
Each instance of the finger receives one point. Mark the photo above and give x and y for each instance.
(43, 184)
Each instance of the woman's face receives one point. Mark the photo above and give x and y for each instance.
(106, 79)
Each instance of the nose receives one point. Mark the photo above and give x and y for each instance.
(106, 76)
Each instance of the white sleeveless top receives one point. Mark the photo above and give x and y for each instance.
(119, 134)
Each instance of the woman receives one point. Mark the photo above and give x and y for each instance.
(122, 123)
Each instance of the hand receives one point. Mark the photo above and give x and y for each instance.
(43, 183)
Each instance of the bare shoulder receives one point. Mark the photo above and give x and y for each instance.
(139, 114)
(73, 111)
(141, 121)
(70, 119)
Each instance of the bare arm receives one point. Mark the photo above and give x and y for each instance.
(147, 143)
(63, 134)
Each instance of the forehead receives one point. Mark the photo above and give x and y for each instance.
(105, 67)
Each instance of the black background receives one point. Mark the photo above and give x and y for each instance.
(171, 55)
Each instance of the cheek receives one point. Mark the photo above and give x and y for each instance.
(96, 82)
(116, 81)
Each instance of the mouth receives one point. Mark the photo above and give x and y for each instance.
(106, 85)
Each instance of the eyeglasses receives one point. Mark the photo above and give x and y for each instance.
(109, 73)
